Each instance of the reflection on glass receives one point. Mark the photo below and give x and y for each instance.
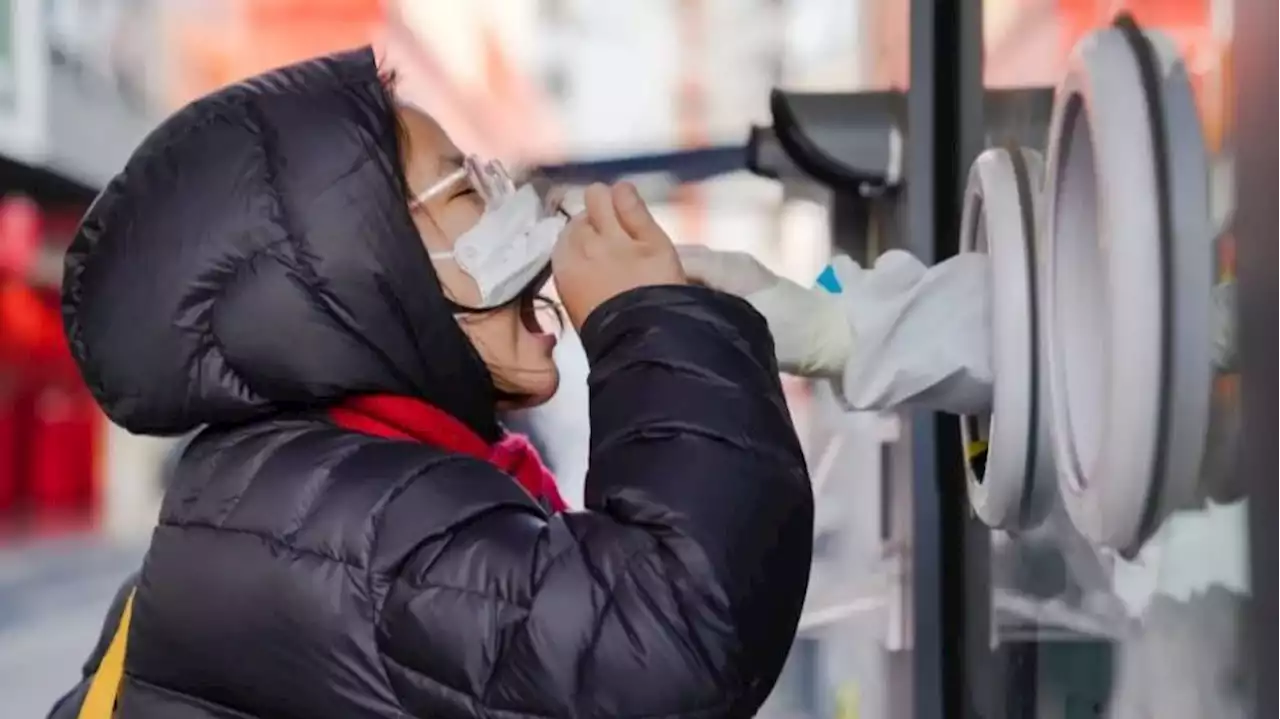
(849, 660)
(1079, 630)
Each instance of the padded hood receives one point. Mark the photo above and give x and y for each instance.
(257, 256)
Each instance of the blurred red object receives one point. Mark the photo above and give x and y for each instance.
(48, 419)
(12, 413)
(31, 339)
(21, 234)
(30, 326)
(60, 452)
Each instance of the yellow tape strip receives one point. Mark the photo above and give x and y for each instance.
(100, 702)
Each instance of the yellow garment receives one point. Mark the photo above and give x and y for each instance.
(100, 702)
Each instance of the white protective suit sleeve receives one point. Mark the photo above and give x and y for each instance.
(899, 334)
(922, 335)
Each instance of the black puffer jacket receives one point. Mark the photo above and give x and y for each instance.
(255, 262)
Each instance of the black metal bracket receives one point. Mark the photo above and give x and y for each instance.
(845, 141)
(855, 140)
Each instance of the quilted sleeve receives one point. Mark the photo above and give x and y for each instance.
(677, 592)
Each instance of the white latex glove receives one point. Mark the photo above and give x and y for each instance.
(811, 332)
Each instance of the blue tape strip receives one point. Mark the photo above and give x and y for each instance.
(829, 282)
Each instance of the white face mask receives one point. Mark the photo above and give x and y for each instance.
(511, 243)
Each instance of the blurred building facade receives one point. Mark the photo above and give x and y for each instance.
(61, 62)
(126, 64)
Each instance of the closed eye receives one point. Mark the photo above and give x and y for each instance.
(467, 195)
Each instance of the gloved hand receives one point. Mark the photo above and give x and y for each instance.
(898, 335)
(811, 334)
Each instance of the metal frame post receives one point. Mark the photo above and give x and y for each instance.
(945, 121)
(1256, 243)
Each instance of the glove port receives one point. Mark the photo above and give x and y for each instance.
(1008, 460)
(1127, 281)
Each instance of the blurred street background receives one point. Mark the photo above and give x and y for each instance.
(545, 82)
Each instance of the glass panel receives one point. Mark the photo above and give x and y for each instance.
(850, 657)
(1085, 629)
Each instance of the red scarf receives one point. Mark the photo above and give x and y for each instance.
(394, 417)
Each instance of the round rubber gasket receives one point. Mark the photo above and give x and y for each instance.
(1008, 466)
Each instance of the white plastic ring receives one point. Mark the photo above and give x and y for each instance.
(1013, 486)
(1126, 289)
